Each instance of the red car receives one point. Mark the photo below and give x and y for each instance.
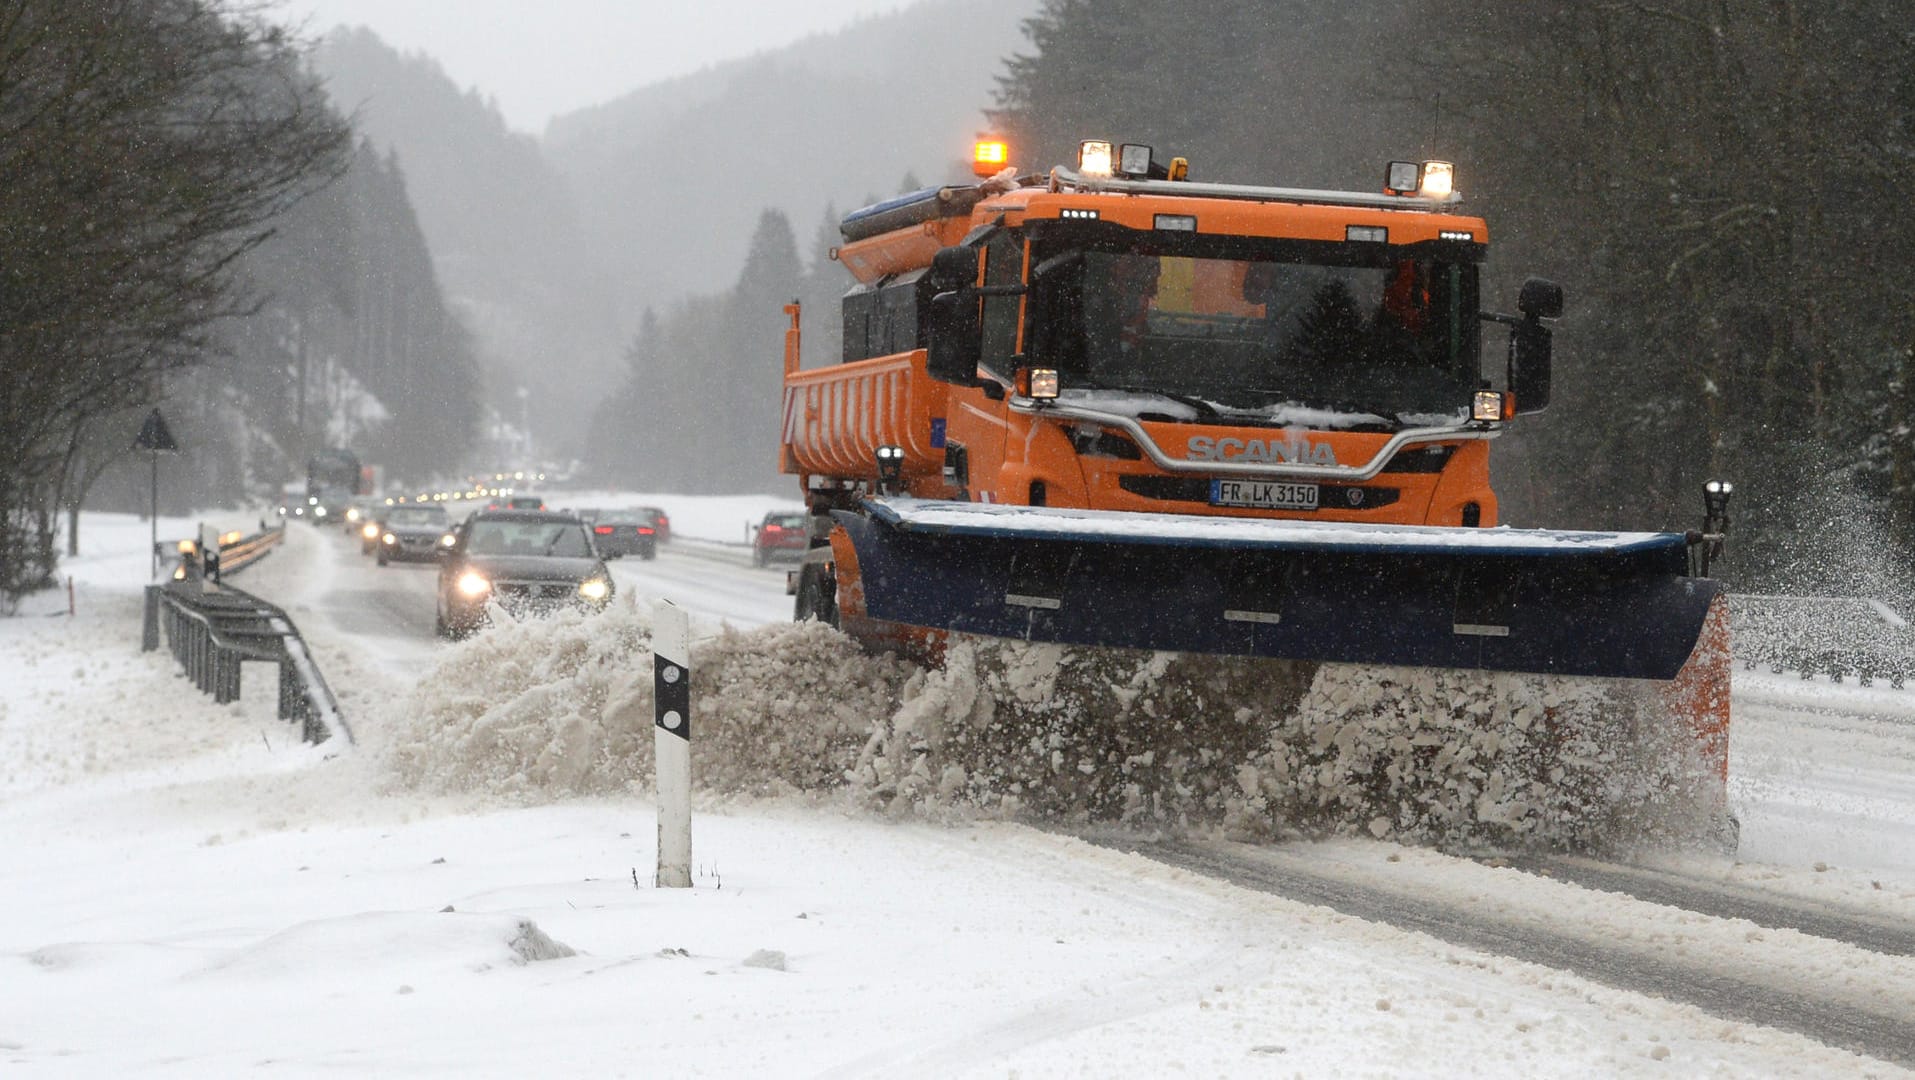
(783, 534)
(661, 523)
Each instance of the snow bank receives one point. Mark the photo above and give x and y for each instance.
(535, 711)
(527, 712)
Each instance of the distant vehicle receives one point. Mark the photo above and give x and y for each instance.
(782, 534)
(333, 477)
(360, 512)
(588, 516)
(617, 533)
(661, 524)
(526, 561)
(411, 532)
(517, 502)
(292, 501)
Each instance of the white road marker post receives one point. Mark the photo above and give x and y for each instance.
(672, 742)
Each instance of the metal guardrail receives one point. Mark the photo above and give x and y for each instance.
(1837, 636)
(214, 629)
(236, 552)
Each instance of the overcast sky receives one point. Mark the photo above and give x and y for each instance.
(539, 58)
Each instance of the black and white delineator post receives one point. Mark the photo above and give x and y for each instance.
(672, 742)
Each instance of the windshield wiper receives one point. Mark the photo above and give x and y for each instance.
(1392, 421)
(1204, 408)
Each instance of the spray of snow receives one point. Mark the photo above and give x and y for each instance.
(535, 711)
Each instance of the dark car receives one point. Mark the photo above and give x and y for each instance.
(411, 532)
(661, 523)
(617, 533)
(782, 534)
(526, 561)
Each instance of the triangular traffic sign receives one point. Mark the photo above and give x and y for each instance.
(155, 436)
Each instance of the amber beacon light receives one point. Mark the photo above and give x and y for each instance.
(990, 156)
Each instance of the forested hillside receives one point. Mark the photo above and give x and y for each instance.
(503, 230)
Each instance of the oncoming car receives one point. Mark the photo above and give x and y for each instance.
(409, 532)
(527, 561)
(782, 534)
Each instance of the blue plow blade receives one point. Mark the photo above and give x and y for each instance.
(1603, 605)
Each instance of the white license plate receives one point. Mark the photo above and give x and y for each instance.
(1263, 494)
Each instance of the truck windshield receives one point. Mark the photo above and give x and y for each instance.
(1255, 324)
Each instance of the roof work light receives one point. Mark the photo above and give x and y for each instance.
(1094, 157)
(990, 156)
(1429, 179)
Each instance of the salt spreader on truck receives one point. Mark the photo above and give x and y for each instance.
(1110, 406)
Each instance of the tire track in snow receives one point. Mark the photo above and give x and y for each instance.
(1722, 900)
(1846, 1017)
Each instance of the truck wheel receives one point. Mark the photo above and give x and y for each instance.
(382, 557)
(817, 595)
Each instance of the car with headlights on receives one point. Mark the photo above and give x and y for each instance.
(415, 532)
(528, 562)
(360, 512)
(618, 533)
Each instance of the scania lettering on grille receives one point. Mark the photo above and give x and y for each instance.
(1297, 451)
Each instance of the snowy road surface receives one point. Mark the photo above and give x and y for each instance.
(189, 891)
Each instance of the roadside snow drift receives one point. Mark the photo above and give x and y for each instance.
(534, 711)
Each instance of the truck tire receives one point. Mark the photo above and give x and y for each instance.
(817, 595)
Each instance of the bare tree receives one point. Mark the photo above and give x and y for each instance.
(145, 145)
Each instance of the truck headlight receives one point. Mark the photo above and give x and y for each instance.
(389, 538)
(1487, 405)
(370, 530)
(472, 584)
(595, 589)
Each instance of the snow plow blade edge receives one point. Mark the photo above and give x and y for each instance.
(1600, 605)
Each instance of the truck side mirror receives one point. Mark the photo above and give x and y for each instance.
(953, 269)
(955, 343)
(1540, 299)
(1529, 343)
(1529, 361)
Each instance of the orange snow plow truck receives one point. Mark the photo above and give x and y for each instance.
(1110, 406)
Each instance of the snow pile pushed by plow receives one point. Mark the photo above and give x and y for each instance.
(533, 711)
(528, 712)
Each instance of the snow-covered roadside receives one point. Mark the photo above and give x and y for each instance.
(205, 906)
(718, 519)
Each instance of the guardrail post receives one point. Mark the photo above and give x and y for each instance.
(672, 742)
(225, 676)
(288, 689)
(150, 622)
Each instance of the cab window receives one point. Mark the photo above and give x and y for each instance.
(1003, 265)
